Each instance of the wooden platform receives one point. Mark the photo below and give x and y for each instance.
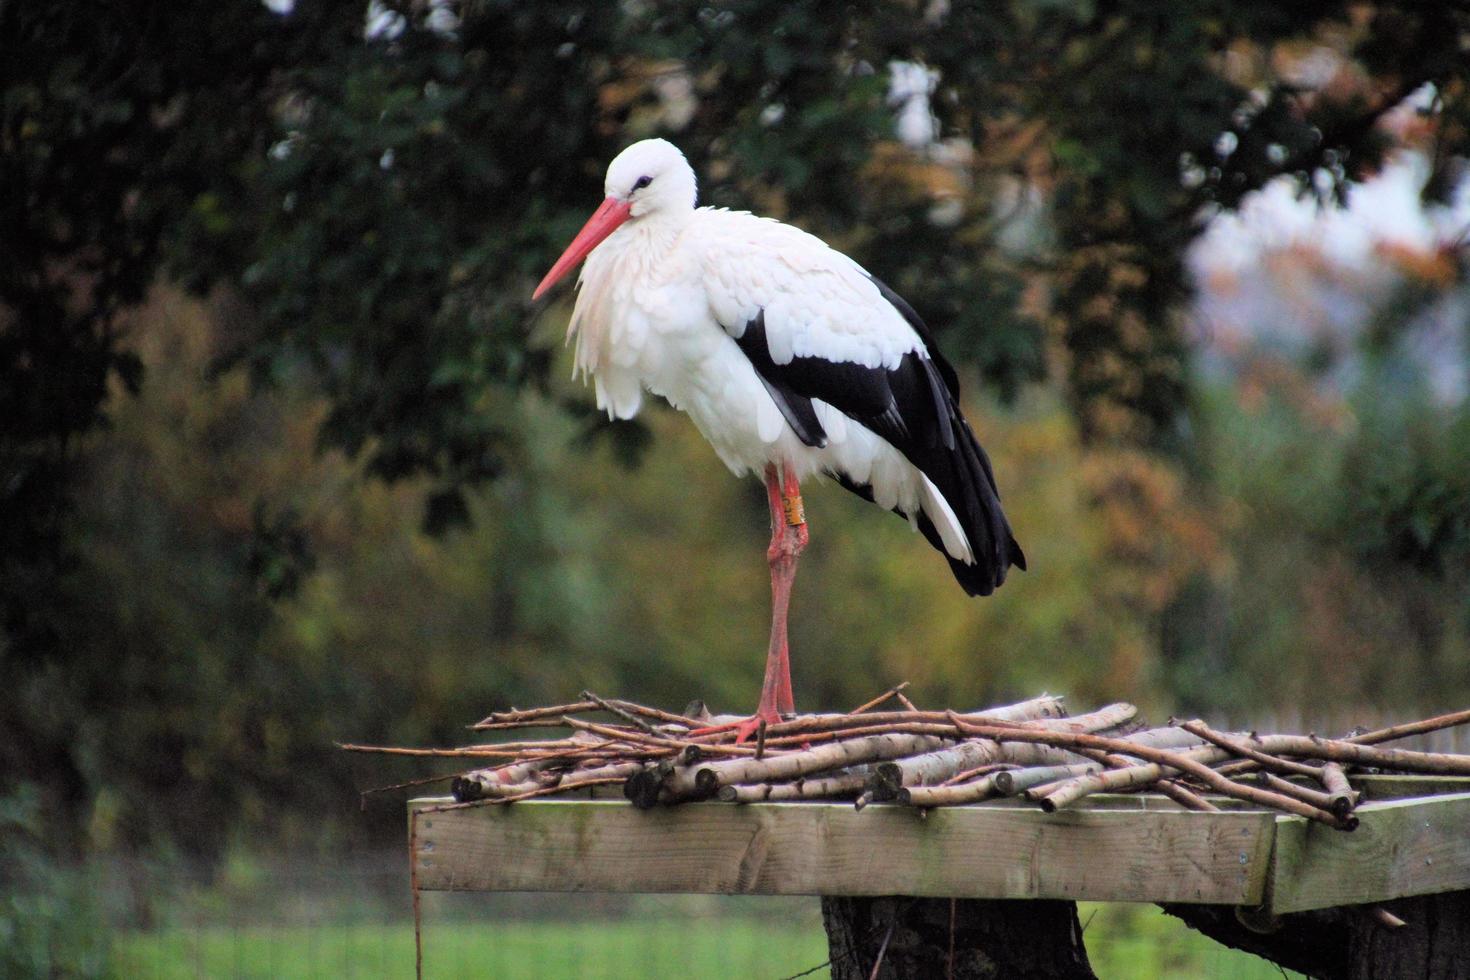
(1125, 848)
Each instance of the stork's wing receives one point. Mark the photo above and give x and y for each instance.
(815, 325)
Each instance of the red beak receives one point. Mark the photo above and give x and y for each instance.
(604, 222)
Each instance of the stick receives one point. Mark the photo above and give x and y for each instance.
(1343, 797)
(413, 884)
(469, 752)
(654, 741)
(932, 796)
(565, 787)
(1386, 918)
(1244, 750)
(934, 768)
(969, 774)
(1311, 747)
(685, 783)
(407, 784)
(891, 692)
(1186, 797)
(1306, 794)
(1411, 728)
(1036, 709)
(531, 766)
(1125, 778)
(1108, 716)
(531, 717)
(938, 723)
(838, 785)
(1013, 781)
(467, 788)
(1165, 757)
(643, 786)
(936, 729)
(1389, 734)
(621, 712)
(667, 717)
(1168, 737)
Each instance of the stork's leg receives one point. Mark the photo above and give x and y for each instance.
(788, 538)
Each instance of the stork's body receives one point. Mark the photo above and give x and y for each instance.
(790, 359)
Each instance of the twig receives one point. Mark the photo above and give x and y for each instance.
(1104, 718)
(566, 786)
(932, 796)
(1411, 728)
(891, 692)
(1237, 747)
(1311, 747)
(923, 758)
(1342, 796)
(840, 784)
(1013, 781)
(1186, 797)
(409, 784)
(969, 774)
(1121, 779)
(687, 783)
(467, 752)
(1306, 794)
(934, 768)
(667, 717)
(883, 947)
(949, 960)
(1386, 918)
(413, 884)
(531, 717)
(1174, 760)
(1034, 710)
(621, 712)
(937, 723)
(669, 743)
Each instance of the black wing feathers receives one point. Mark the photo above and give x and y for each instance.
(914, 407)
(797, 408)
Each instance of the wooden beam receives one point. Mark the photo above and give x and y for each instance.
(986, 851)
(1401, 847)
(1376, 787)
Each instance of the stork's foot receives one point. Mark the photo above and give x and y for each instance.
(746, 727)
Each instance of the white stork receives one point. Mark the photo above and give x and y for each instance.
(791, 359)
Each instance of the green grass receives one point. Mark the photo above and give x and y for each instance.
(1125, 942)
(1139, 941)
(647, 948)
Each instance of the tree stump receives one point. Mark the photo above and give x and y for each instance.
(954, 939)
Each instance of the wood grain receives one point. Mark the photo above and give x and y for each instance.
(987, 851)
(1401, 847)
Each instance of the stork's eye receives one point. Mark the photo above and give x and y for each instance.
(642, 182)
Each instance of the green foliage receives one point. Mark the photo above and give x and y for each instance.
(1350, 537)
(50, 924)
(1405, 482)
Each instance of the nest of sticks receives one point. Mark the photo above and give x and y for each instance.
(1032, 750)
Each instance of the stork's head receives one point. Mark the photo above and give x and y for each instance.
(648, 179)
(652, 176)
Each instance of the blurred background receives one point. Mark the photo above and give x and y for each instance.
(287, 456)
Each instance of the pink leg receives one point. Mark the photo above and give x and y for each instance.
(788, 538)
